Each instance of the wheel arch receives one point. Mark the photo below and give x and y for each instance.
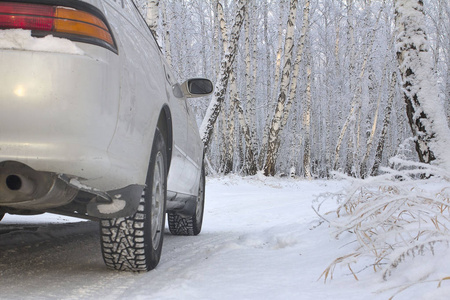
(165, 127)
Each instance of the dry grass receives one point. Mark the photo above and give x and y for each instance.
(393, 217)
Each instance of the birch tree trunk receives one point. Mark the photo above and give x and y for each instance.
(267, 49)
(298, 61)
(270, 103)
(293, 91)
(249, 166)
(216, 24)
(230, 144)
(152, 16)
(214, 108)
(386, 123)
(166, 27)
(307, 122)
(274, 131)
(369, 142)
(252, 105)
(423, 106)
(250, 84)
(228, 133)
(248, 70)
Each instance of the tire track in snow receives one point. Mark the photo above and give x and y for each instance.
(63, 261)
(182, 256)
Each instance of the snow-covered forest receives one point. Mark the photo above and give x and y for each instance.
(315, 85)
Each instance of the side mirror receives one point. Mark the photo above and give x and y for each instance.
(197, 87)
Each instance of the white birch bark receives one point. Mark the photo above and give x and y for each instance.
(216, 23)
(297, 63)
(274, 138)
(250, 78)
(351, 142)
(215, 106)
(252, 105)
(248, 72)
(447, 58)
(152, 16)
(369, 142)
(447, 94)
(166, 27)
(386, 123)
(420, 92)
(249, 166)
(271, 103)
(229, 141)
(231, 128)
(267, 49)
(307, 122)
(338, 91)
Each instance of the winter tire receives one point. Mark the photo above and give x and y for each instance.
(134, 243)
(190, 225)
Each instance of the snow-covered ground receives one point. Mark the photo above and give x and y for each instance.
(260, 240)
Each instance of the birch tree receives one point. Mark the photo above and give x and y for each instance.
(227, 159)
(152, 16)
(215, 106)
(274, 131)
(371, 137)
(166, 24)
(296, 67)
(420, 93)
(307, 122)
(275, 84)
(386, 123)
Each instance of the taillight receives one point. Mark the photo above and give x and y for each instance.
(61, 21)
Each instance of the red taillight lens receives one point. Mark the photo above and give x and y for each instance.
(26, 22)
(14, 8)
(61, 21)
(26, 16)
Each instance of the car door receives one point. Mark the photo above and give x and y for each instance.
(194, 148)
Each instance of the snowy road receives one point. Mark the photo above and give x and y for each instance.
(260, 240)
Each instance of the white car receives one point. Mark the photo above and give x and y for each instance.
(94, 125)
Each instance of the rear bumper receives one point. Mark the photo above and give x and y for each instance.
(59, 114)
(22, 188)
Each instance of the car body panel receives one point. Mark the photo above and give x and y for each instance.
(91, 117)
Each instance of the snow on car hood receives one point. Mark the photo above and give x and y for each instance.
(22, 40)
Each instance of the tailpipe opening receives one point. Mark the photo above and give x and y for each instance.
(14, 182)
(20, 183)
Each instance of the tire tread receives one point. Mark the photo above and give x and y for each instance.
(122, 242)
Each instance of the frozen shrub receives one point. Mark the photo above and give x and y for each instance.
(400, 214)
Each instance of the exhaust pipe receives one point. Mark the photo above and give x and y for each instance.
(26, 188)
(18, 183)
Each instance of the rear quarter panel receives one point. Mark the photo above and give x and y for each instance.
(142, 90)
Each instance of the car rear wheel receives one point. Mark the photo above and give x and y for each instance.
(190, 225)
(135, 243)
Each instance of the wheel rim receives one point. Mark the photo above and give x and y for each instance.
(157, 209)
